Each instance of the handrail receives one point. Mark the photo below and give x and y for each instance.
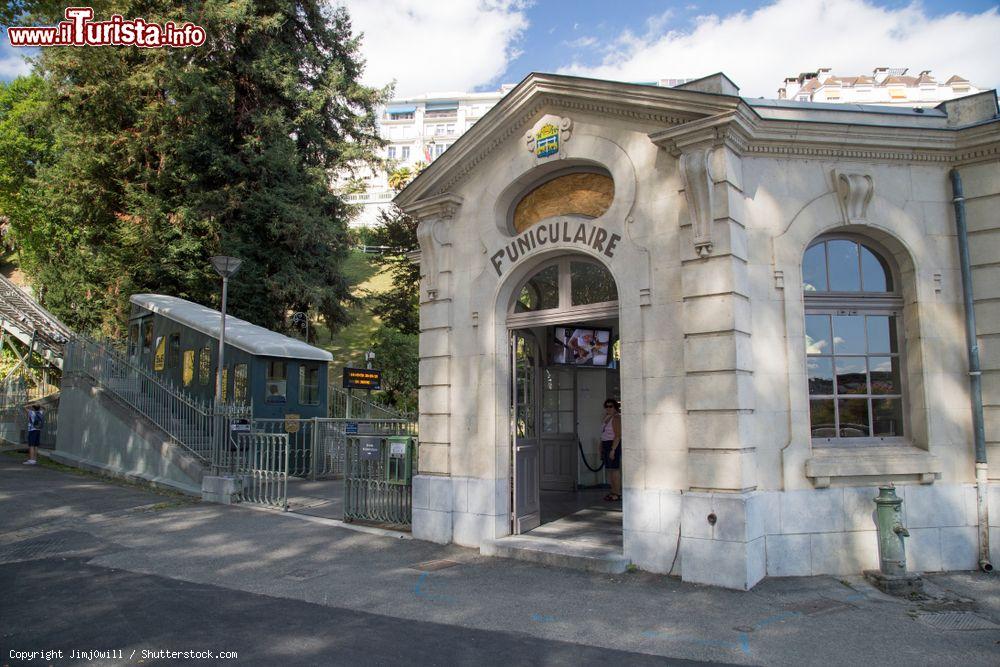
(197, 426)
(338, 406)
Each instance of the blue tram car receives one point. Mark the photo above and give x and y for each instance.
(282, 377)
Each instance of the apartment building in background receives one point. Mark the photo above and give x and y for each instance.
(889, 86)
(418, 129)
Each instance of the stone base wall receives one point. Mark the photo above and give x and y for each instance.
(99, 433)
(754, 535)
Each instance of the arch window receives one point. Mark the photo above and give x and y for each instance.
(569, 286)
(854, 349)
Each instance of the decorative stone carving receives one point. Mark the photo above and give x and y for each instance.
(699, 186)
(434, 236)
(547, 137)
(854, 192)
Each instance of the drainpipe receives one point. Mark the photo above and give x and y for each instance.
(975, 375)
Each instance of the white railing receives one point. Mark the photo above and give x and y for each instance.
(196, 425)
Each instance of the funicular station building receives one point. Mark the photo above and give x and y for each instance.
(772, 289)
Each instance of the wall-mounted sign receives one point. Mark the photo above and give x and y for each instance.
(351, 428)
(292, 424)
(239, 426)
(362, 378)
(547, 233)
(371, 449)
(188, 372)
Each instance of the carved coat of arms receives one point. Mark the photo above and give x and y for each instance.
(548, 135)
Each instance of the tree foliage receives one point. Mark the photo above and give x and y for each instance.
(398, 357)
(398, 307)
(145, 162)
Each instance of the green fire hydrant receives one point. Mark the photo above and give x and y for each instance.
(889, 522)
(892, 577)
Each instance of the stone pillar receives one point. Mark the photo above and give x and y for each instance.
(722, 539)
(432, 484)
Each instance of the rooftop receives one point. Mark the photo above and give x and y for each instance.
(239, 333)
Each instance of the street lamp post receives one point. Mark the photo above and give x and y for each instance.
(225, 267)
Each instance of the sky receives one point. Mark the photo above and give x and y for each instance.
(452, 45)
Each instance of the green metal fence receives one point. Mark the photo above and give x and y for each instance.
(376, 459)
(378, 478)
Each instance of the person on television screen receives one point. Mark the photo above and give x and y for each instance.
(586, 347)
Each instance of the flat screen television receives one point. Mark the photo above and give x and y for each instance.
(581, 346)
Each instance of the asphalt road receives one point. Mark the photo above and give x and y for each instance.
(65, 604)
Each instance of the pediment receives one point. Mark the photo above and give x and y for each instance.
(554, 99)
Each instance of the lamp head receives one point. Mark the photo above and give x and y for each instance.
(226, 266)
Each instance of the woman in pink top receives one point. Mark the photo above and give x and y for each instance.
(611, 450)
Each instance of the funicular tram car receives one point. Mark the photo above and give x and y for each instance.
(281, 377)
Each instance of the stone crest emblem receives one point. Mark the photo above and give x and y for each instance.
(548, 135)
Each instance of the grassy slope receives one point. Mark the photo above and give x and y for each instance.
(349, 344)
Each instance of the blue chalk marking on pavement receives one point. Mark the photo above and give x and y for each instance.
(538, 618)
(418, 590)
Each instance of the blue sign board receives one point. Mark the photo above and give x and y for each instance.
(351, 428)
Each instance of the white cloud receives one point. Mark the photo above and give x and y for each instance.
(12, 62)
(436, 46)
(759, 49)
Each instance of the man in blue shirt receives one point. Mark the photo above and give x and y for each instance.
(36, 420)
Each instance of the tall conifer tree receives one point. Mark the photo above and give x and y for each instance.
(160, 158)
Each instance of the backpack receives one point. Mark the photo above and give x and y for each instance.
(35, 420)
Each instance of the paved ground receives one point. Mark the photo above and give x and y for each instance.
(89, 564)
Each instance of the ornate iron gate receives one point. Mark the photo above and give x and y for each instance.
(260, 461)
(380, 456)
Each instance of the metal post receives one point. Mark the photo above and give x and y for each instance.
(315, 447)
(347, 409)
(222, 343)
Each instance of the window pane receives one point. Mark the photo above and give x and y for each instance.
(591, 283)
(874, 272)
(541, 292)
(566, 422)
(550, 422)
(885, 375)
(881, 334)
(844, 272)
(814, 269)
(853, 417)
(187, 373)
(277, 385)
(240, 383)
(821, 419)
(851, 377)
(820, 371)
(550, 400)
(205, 365)
(848, 334)
(818, 334)
(888, 417)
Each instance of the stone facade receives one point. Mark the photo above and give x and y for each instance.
(716, 200)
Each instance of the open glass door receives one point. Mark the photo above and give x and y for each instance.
(524, 431)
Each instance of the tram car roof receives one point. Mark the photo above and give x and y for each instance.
(239, 333)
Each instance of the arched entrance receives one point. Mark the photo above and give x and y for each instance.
(563, 331)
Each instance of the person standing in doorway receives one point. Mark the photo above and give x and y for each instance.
(611, 447)
(36, 421)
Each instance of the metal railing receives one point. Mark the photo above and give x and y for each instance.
(317, 446)
(21, 314)
(362, 407)
(260, 460)
(195, 425)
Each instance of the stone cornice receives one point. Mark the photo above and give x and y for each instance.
(441, 206)
(647, 104)
(748, 134)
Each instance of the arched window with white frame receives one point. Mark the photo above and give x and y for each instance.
(854, 344)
